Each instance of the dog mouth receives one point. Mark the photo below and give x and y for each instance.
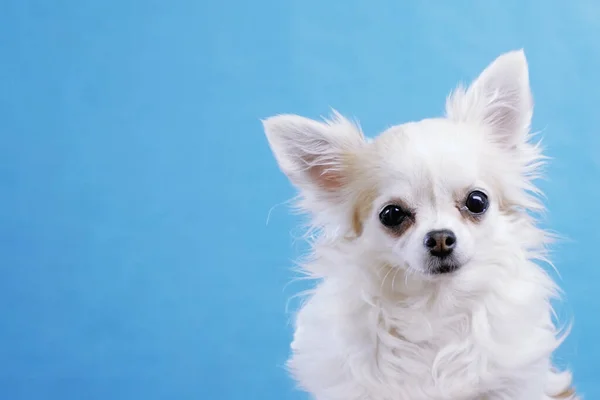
(443, 266)
(445, 269)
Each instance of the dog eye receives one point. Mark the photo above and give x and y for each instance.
(477, 202)
(392, 216)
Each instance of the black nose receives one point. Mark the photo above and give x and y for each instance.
(440, 243)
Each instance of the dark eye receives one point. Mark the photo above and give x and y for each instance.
(477, 202)
(392, 216)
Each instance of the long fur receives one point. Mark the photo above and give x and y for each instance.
(377, 326)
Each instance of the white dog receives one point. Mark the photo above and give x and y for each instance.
(426, 259)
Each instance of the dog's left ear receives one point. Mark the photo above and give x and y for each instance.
(499, 98)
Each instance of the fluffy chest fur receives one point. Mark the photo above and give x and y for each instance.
(359, 338)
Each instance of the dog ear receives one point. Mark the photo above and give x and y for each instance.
(500, 98)
(316, 156)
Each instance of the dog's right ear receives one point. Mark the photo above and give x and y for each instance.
(317, 157)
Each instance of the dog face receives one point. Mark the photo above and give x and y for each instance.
(437, 201)
(431, 196)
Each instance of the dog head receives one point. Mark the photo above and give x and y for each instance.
(429, 197)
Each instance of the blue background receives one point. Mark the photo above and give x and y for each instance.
(135, 179)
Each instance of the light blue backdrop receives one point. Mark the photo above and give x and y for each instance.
(135, 180)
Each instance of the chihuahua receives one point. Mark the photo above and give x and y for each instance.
(427, 253)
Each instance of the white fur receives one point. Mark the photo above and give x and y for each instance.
(378, 326)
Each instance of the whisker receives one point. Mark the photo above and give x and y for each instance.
(394, 279)
(385, 277)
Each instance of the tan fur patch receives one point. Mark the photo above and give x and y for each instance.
(567, 394)
(468, 216)
(362, 208)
